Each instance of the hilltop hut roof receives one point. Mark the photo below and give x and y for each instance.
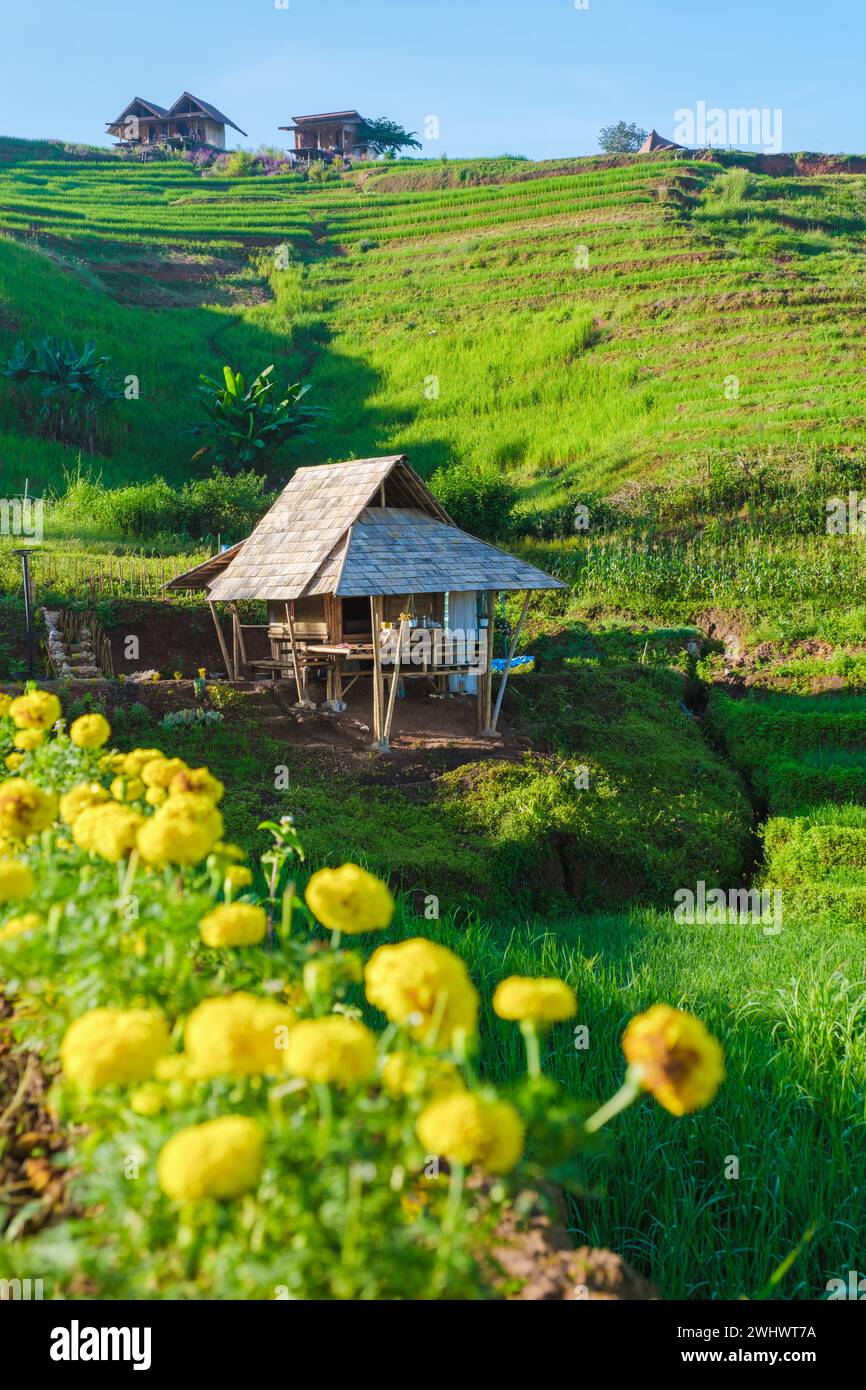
(204, 106)
(654, 141)
(364, 527)
(151, 106)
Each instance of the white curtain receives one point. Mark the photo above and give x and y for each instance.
(462, 617)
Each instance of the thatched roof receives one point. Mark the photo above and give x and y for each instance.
(328, 533)
(654, 141)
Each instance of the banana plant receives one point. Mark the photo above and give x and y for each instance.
(250, 424)
(70, 385)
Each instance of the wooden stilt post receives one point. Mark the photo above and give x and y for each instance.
(290, 618)
(485, 682)
(514, 640)
(239, 638)
(395, 681)
(378, 682)
(230, 672)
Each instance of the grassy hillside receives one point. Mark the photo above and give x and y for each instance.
(673, 345)
(584, 328)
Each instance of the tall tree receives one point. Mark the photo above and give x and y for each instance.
(387, 137)
(621, 138)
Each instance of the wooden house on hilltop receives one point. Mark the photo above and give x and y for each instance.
(366, 575)
(189, 122)
(334, 134)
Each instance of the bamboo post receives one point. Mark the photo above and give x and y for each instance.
(222, 641)
(395, 681)
(378, 683)
(290, 617)
(239, 637)
(488, 675)
(514, 640)
(483, 677)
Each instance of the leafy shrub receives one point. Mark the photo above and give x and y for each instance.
(480, 500)
(66, 387)
(205, 507)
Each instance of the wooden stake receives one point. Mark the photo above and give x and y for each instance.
(290, 619)
(378, 683)
(239, 637)
(222, 641)
(395, 681)
(514, 640)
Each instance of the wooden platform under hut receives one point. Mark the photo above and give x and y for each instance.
(366, 577)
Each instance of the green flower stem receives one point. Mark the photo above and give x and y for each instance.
(288, 908)
(456, 1184)
(533, 1048)
(326, 1113)
(336, 938)
(624, 1097)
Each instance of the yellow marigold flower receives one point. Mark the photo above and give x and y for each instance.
(159, 770)
(237, 1035)
(198, 780)
(229, 851)
(16, 881)
(134, 762)
(90, 731)
(467, 1129)
(175, 1067)
(349, 900)
(113, 1047)
(108, 831)
(155, 796)
(539, 1001)
(238, 876)
(5, 702)
(13, 761)
(38, 710)
(406, 1075)
(675, 1058)
(234, 924)
(334, 1049)
(127, 788)
(81, 798)
(425, 987)
(148, 1100)
(28, 739)
(20, 926)
(176, 835)
(221, 1158)
(25, 809)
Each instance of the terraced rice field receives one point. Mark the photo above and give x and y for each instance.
(580, 328)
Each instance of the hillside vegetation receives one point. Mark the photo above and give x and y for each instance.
(583, 328)
(645, 376)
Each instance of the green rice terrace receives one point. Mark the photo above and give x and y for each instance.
(642, 375)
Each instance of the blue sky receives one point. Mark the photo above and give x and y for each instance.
(534, 77)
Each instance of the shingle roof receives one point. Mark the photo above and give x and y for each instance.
(323, 536)
(402, 550)
(330, 116)
(212, 111)
(151, 106)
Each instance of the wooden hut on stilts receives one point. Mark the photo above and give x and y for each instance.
(366, 576)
